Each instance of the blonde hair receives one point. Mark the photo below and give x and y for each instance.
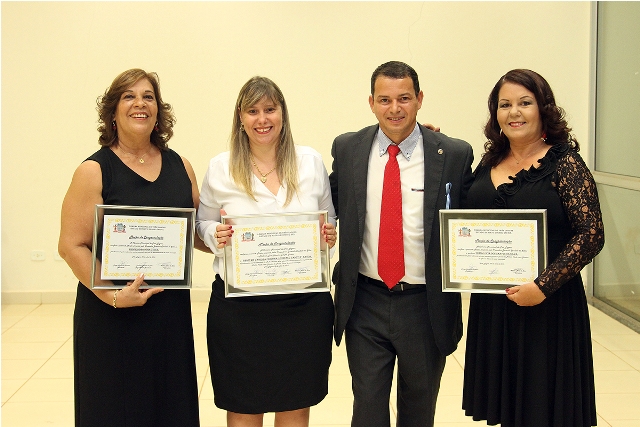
(240, 165)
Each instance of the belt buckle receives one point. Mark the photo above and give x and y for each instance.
(394, 288)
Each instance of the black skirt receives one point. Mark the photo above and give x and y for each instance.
(134, 367)
(269, 353)
(530, 366)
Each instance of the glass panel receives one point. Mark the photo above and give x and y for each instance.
(616, 272)
(618, 88)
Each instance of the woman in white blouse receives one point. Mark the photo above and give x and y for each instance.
(266, 353)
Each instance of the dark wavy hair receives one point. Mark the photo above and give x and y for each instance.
(552, 117)
(395, 70)
(108, 103)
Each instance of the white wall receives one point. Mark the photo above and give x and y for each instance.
(57, 58)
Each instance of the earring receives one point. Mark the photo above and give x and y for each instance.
(544, 137)
(113, 125)
(500, 131)
(241, 126)
(156, 127)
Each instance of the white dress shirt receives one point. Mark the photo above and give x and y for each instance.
(411, 164)
(219, 191)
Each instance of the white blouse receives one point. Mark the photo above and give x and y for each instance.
(219, 191)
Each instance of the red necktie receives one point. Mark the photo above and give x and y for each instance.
(391, 241)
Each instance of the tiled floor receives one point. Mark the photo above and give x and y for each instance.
(37, 373)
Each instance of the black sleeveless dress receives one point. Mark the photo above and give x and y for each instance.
(533, 366)
(135, 367)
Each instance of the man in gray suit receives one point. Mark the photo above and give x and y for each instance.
(406, 316)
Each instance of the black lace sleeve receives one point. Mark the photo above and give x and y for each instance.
(579, 195)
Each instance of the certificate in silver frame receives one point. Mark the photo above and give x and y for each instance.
(489, 250)
(280, 253)
(156, 241)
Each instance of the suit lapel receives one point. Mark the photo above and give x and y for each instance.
(433, 169)
(360, 168)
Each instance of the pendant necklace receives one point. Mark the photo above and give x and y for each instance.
(528, 155)
(514, 158)
(524, 157)
(140, 159)
(264, 175)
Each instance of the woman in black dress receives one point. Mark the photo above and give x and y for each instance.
(134, 361)
(528, 358)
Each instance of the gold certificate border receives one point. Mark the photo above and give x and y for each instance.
(451, 282)
(299, 279)
(276, 285)
(108, 227)
(168, 279)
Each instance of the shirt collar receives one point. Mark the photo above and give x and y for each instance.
(406, 146)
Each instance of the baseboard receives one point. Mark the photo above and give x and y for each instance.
(38, 297)
(69, 297)
(616, 314)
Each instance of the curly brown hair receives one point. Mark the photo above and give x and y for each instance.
(108, 102)
(552, 117)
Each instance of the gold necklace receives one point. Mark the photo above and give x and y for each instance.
(264, 175)
(525, 157)
(516, 159)
(140, 159)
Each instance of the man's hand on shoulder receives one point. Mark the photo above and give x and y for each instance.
(431, 127)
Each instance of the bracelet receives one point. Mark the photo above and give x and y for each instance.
(115, 298)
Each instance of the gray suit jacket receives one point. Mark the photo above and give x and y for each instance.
(445, 160)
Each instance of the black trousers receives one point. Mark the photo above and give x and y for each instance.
(385, 326)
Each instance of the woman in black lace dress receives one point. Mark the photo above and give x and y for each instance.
(528, 358)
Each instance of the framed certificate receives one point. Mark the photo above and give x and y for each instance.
(489, 250)
(280, 253)
(156, 241)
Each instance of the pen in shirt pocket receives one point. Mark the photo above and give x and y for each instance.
(447, 192)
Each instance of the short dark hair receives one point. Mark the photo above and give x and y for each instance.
(552, 117)
(108, 102)
(395, 70)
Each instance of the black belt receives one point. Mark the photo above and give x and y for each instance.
(399, 287)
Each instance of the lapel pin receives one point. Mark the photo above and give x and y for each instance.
(440, 151)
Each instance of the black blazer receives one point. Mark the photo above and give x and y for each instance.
(445, 160)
